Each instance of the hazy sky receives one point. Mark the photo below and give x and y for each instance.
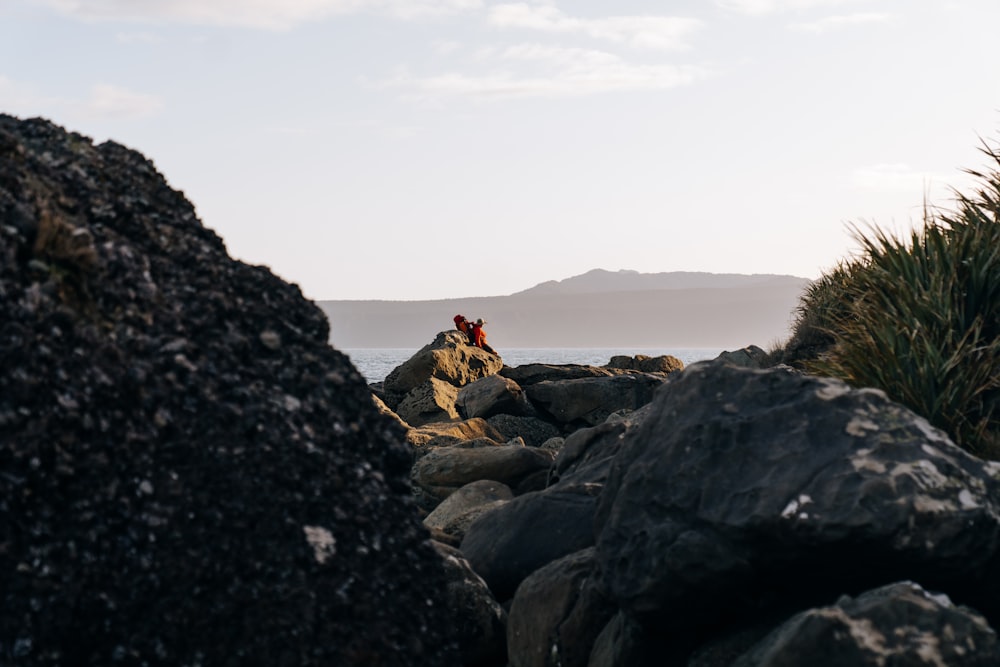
(419, 149)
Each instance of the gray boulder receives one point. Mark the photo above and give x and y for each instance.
(589, 401)
(442, 471)
(507, 544)
(750, 357)
(457, 511)
(556, 614)
(528, 374)
(744, 484)
(662, 364)
(533, 430)
(493, 395)
(899, 624)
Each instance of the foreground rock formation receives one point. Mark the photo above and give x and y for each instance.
(189, 474)
(721, 515)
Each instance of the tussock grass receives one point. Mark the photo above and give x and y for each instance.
(918, 316)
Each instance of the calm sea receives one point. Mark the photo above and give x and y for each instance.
(376, 363)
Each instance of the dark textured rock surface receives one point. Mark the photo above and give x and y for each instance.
(507, 544)
(189, 474)
(556, 614)
(744, 486)
(899, 624)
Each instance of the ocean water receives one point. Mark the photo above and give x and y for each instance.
(375, 363)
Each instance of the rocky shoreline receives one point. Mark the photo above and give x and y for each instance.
(725, 514)
(191, 475)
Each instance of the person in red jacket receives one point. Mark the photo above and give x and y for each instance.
(464, 326)
(479, 336)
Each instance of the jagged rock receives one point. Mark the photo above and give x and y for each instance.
(457, 511)
(590, 401)
(899, 624)
(432, 401)
(535, 431)
(478, 620)
(750, 357)
(189, 474)
(529, 374)
(493, 395)
(741, 485)
(448, 358)
(556, 614)
(384, 409)
(662, 364)
(442, 471)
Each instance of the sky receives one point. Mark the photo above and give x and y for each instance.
(428, 149)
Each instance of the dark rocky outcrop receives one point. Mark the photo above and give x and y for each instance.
(746, 489)
(189, 474)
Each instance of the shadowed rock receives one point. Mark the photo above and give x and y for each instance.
(745, 485)
(900, 624)
(189, 474)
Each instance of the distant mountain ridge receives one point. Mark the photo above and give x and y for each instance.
(596, 309)
(625, 280)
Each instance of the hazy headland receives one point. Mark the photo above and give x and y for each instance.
(596, 309)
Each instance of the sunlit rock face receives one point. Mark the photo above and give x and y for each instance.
(189, 474)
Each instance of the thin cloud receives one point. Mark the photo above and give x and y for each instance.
(138, 38)
(557, 72)
(836, 22)
(109, 101)
(263, 14)
(760, 7)
(103, 101)
(652, 32)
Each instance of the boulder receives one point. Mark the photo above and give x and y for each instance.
(750, 357)
(898, 624)
(442, 471)
(457, 511)
(479, 622)
(741, 485)
(662, 364)
(507, 544)
(533, 430)
(442, 434)
(556, 614)
(448, 358)
(587, 453)
(189, 474)
(589, 401)
(432, 401)
(493, 395)
(528, 374)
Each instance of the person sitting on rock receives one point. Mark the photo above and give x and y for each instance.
(479, 336)
(464, 326)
